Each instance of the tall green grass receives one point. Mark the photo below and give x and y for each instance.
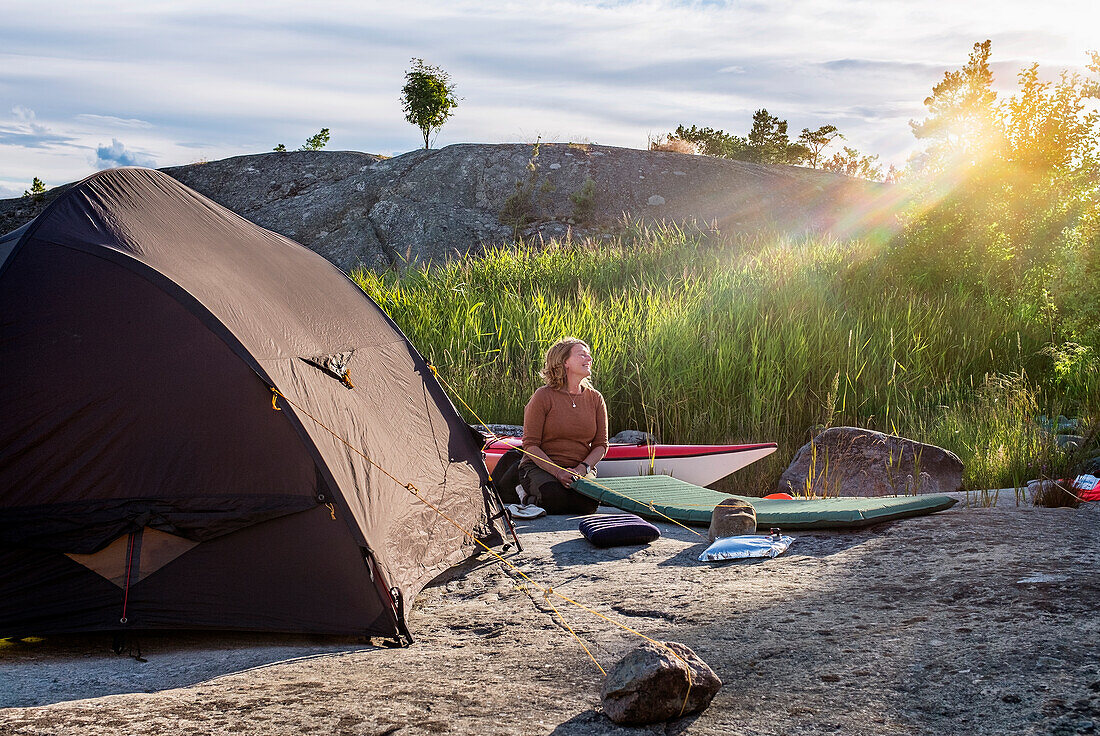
(705, 338)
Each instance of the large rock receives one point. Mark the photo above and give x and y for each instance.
(849, 461)
(649, 685)
(358, 209)
(733, 517)
(501, 430)
(322, 199)
(1089, 467)
(632, 437)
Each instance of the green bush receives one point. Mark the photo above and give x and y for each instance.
(584, 199)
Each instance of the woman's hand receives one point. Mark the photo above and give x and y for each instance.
(565, 477)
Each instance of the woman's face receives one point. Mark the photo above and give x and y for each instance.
(579, 362)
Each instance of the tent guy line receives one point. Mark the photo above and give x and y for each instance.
(546, 591)
(206, 509)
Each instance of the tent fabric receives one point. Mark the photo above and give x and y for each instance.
(9, 241)
(291, 574)
(691, 504)
(85, 527)
(144, 330)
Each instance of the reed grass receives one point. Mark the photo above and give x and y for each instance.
(707, 338)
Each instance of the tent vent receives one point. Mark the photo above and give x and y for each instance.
(151, 551)
(336, 365)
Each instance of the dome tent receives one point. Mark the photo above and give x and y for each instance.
(147, 480)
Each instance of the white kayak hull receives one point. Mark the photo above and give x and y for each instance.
(697, 464)
(701, 470)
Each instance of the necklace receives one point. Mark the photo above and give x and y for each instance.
(573, 397)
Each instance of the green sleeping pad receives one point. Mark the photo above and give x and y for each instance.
(692, 504)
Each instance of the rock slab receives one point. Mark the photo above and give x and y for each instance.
(849, 461)
(650, 684)
(633, 437)
(361, 210)
(732, 518)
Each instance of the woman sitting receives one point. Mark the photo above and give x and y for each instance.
(564, 431)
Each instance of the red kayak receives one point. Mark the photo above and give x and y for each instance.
(698, 464)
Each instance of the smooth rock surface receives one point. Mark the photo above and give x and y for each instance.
(658, 683)
(732, 518)
(941, 624)
(362, 210)
(849, 461)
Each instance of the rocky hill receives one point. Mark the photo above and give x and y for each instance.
(359, 209)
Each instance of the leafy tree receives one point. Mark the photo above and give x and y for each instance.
(1006, 189)
(852, 163)
(962, 113)
(816, 141)
(427, 98)
(768, 142)
(767, 139)
(313, 143)
(316, 142)
(38, 188)
(711, 142)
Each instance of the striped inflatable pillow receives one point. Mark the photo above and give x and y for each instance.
(614, 530)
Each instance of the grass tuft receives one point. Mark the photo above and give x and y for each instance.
(704, 337)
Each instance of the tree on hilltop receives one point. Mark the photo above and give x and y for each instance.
(316, 142)
(313, 143)
(852, 163)
(767, 140)
(711, 142)
(816, 141)
(766, 143)
(38, 188)
(428, 98)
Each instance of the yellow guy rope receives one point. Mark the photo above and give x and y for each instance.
(545, 590)
(546, 597)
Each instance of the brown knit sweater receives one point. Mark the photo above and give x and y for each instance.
(566, 434)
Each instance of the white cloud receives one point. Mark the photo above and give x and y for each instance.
(12, 189)
(110, 121)
(24, 132)
(116, 154)
(180, 80)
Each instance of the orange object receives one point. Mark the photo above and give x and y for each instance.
(784, 496)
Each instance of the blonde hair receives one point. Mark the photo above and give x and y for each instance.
(553, 371)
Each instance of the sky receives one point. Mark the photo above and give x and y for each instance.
(90, 85)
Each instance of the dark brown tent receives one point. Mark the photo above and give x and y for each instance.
(147, 482)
